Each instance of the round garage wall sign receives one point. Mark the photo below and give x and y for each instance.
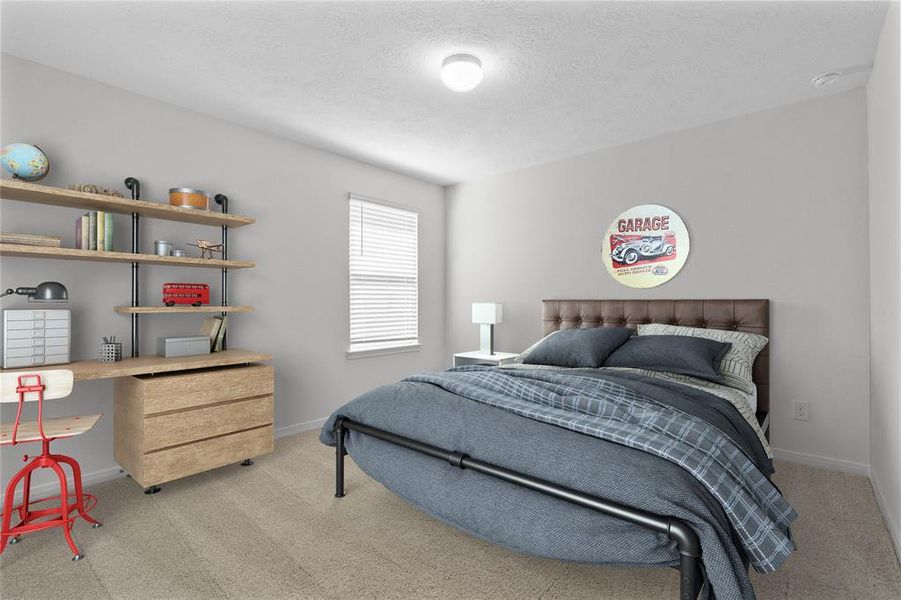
(645, 246)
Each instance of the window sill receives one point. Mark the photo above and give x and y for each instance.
(382, 351)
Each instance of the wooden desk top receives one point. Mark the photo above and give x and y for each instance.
(87, 370)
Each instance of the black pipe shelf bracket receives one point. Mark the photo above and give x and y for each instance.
(135, 186)
(687, 541)
(222, 201)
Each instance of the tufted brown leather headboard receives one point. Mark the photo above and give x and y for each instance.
(739, 315)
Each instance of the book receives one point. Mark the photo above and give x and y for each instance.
(101, 226)
(82, 227)
(30, 239)
(85, 232)
(210, 328)
(220, 335)
(108, 231)
(92, 231)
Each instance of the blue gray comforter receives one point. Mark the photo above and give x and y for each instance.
(654, 445)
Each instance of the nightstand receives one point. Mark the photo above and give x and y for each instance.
(480, 358)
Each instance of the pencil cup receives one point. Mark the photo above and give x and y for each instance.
(110, 353)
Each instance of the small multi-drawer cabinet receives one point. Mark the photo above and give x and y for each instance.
(172, 425)
(35, 337)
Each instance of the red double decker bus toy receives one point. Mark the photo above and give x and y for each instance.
(194, 294)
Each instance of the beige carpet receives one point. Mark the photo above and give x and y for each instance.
(275, 531)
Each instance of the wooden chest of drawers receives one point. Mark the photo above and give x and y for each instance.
(172, 425)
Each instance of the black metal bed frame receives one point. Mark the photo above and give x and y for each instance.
(690, 577)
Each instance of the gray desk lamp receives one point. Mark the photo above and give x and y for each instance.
(49, 291)
(486, 315)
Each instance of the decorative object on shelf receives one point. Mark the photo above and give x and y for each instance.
(169, 347)
(162, 247)
(48, 291)
(94, 231)
(30, 239)
(207, 247)
(486, 315)
(194, 294)
(25, 161)
(110, 350)
(645, 246)
(185, 197)
(36, 337)
(178, 253)
(90, 188)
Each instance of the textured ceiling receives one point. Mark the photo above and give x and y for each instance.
(361, 79)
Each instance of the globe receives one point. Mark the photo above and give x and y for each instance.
(24, 161)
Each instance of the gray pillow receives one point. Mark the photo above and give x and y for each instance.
(697, 357)
(578, 348)
(737, 367)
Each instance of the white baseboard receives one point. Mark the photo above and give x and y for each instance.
(300, 427)
(825, 462)
(893, 528)
(51, 488)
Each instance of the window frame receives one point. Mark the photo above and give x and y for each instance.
(382, 348)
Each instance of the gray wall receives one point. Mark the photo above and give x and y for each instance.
(99, 134)
(883, 104)
(776, 204)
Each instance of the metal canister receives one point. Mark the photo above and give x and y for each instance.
(162, 247)
(189, 198)
(179, 253)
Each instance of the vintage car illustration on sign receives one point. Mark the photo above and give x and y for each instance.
(645, 246)
(628, 250)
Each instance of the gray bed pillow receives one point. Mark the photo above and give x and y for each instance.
(697, 357)
(737, 367)
(577, 348)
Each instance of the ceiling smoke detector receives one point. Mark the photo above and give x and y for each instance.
(825, 79)
(461, 72)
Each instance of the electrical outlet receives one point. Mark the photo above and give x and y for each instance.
(802, 410)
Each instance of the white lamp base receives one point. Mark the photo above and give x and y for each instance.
(486, 338)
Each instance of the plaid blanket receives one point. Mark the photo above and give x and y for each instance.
(611, 411)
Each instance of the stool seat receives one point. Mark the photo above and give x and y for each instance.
(61, 427)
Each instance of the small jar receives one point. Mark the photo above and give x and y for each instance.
(189, 198)
(162, 248)
(181, 253)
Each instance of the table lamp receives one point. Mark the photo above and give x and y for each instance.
(49, 291)
(486, 315)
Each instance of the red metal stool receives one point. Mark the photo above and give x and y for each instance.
(39, 386)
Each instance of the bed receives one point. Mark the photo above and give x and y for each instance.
(530, 478)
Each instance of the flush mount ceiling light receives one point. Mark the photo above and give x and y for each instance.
(825, 79)
(461, 72)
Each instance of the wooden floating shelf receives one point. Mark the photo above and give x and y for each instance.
(143, 310)
(122, 257)
(86, 370)
(53, 196)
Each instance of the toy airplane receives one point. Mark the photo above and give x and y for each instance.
(207, 247)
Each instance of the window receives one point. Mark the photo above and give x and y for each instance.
(384, 276)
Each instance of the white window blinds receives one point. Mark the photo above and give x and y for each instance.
(384, 276)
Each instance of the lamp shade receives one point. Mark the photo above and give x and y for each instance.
(50, 291)
(487, 313)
